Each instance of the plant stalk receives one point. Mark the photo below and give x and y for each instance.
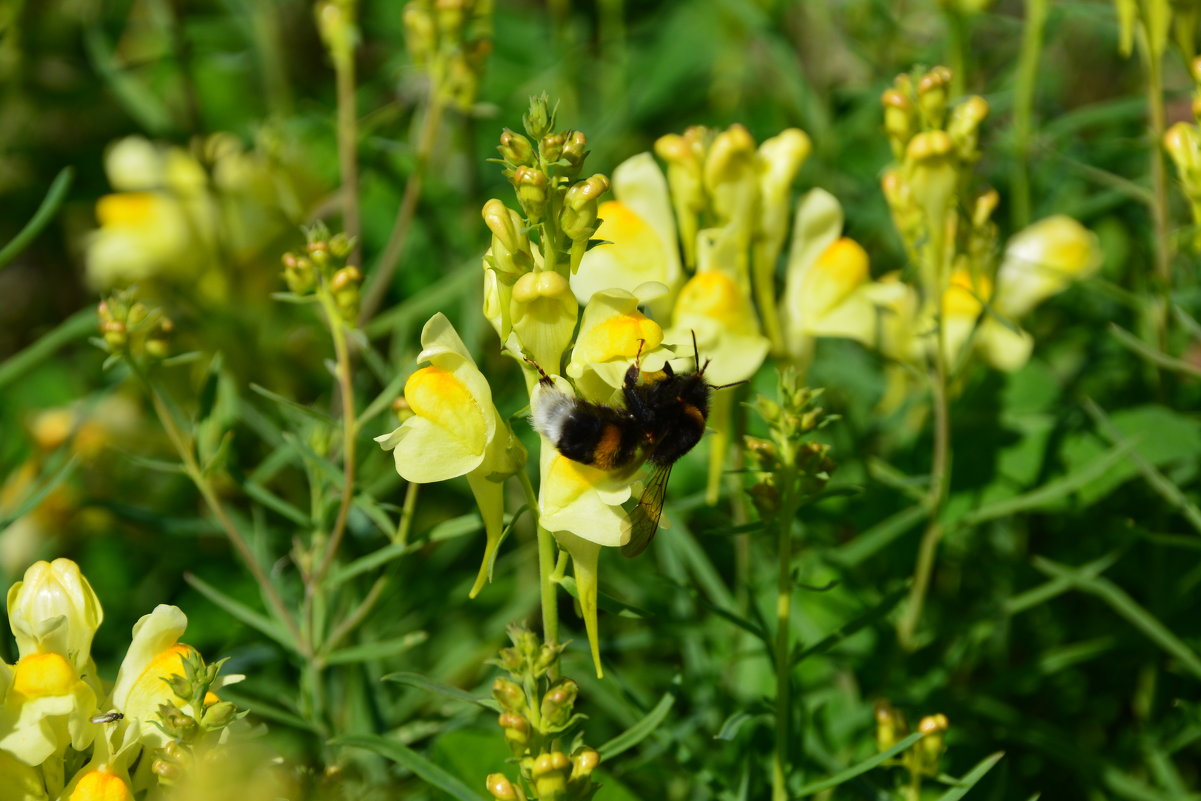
(1023, 110)
(783, 654)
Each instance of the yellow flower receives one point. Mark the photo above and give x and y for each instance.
(154, 654)
(826, 287)
(141, 235)
(544, 313)
(455, 430)
(613, 333)
(1042, 260)
(20, 782)
(714, 308)
(46, 707)
(55, 609)
(640, 231)
(100, 785)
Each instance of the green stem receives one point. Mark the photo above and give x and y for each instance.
(380, 279)
(348, 163)
(1023, 110)
(1159, 194)
(783, 654)
(346, 387)
(939, 481)
(957, 42)
(546, 567)
(183, 447)
(406, 514)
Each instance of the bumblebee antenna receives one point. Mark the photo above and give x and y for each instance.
(545, 379)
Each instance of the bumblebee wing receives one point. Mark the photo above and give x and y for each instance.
(644, 519)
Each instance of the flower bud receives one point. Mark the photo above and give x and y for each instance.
(509, 694)
(335, 23)
(516, 149)
(345, 288)
(401, 408)
(299, 274)
(551, 147)
(500, 787)
(450, 17)
(964, 126)
(158, 344)
(932, 92)
(579, 216)
(583, 762)
(218, 715)
(930, 747)
(540, 118)
(532, 192)
(558, 702)
(729, 157)
(54, 608)
(421, 38)
(517, 731)
(550, 775)
(899, 121)
(890, 726)
(575, 151)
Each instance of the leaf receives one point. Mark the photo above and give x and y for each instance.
(1127, 607)
(1052, 491)
(277, 504)
(77, 326)
(863, 620)
(734, 723)
(242, 612)
(640, 730)
(1152, 355)
(371, 561)
(54, 198)
(860, 769)
(973, 776)
(422, 683)
(406, 757)
(878, 536)
(288, 403)
(377, 650)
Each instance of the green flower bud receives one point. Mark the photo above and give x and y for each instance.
(421, 37)
(219, 715)
(158, 344)
(575, 151)
(899, 120)
(516, 149)
(551, 147)
(580, 205)
(299, 274)
(558, 702)
(500, 788)
(890, 726)
(344, 286)
(583, 762)
(401, 409)
(116, 337)
(539, 120)
(532, 192)
(930, 747)
(550, 775)
(509, 694)
(964, 126)
(450, 16)
(517, 731)
(932, 91)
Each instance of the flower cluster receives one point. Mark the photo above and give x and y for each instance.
(450, 40)
(65, 733)
(923, 758)
(960, 303)
(537, 716)
(1183, 143)
(176, 214)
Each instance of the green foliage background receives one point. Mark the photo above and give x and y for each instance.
(1063, 624)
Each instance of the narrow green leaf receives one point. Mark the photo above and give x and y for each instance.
(860, 769)
(973, 776)
(406, 757)
(54, 198)
(383, 400)
(640, 730)
(76, 327)
(276, 504)
(327, 468)
(377, 650)
(878, 536)
(1056, 586)
(863, 620)
(1131, 342)
(266, 710)
(734, 723)
(288, 403)
(142, 104)
(1127, 607)
(242, 612)
(371, 561)
(422, 683)
(408, 312)
(1050, 492)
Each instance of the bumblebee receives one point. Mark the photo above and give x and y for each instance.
(663, 418)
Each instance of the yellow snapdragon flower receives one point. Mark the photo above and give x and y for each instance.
(456, 430)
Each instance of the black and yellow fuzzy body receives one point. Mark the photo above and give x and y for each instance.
(664, 418)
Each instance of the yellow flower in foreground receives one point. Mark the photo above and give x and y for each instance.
(47, 707)
(100, 785)
(544, 313)
(613, 333)
(1041, 261)
(714, 308)
(155, 653)
(20, 782)
(966, 322)
(640, 231)
(55, 609)
(455, 430)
